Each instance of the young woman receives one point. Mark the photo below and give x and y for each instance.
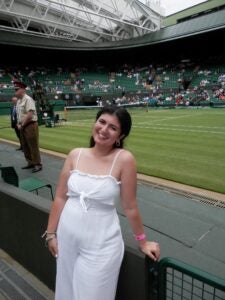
(83, 230)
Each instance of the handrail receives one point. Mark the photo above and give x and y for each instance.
(178, 278)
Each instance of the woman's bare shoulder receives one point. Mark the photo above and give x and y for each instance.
(126, 156)
(128, 166)
(73, 154)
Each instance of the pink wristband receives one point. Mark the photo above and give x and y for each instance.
(140, 237)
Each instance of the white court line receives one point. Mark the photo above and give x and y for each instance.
(186, 126)
(77, 123)
(168, 127)
(172, 118)
(176, 129)
(178, 117)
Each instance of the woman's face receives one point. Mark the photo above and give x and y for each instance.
(107, 130)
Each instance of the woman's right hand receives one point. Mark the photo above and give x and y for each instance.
(53, 247)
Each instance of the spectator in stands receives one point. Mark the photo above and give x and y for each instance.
(88, 243)
(13, 114)
(28, 126)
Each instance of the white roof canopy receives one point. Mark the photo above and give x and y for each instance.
(80, 20)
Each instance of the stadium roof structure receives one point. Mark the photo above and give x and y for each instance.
(100, 25)
(84, 21)
(201, 25)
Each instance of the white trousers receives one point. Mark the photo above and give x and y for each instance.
(90, 253)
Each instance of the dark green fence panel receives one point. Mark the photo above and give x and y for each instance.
(5, 108)
(177, 280)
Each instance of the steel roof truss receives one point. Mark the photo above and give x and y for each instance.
(89, 20)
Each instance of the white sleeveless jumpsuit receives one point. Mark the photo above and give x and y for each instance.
(90, 244)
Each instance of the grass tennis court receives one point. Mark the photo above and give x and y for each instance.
(182, 145)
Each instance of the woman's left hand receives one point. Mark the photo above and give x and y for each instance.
(151, 249)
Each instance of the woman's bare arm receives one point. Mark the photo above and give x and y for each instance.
(59, 200)
(130, 206)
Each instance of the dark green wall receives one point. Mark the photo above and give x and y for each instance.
(23, 219)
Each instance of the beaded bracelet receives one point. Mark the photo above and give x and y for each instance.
(47, 233)
(49, 236)
(140, 237)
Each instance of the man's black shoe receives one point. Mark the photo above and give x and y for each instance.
(37, 168)
(27, 167)
(17, 149)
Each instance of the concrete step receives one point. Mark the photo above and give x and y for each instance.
(16, 283)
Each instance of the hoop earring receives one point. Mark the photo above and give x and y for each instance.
(118, 143)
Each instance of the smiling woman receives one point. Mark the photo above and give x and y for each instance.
(121, 124)
(83, 231)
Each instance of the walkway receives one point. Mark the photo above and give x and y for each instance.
(16, 283)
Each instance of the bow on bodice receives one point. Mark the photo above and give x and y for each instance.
(83, 196)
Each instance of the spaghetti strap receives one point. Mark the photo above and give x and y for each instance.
(114, 161)
(78, 158)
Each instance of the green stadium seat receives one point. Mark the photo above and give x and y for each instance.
(29, 184)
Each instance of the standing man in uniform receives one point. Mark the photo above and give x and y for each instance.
(13, 114)
(28, 126)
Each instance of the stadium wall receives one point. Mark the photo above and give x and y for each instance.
(23, 221)
(192, 12)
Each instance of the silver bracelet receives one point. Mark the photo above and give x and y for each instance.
(47, 233)
(49, 238)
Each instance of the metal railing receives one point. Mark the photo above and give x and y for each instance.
(179, 281)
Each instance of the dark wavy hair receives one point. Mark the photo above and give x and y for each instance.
(124, 119)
